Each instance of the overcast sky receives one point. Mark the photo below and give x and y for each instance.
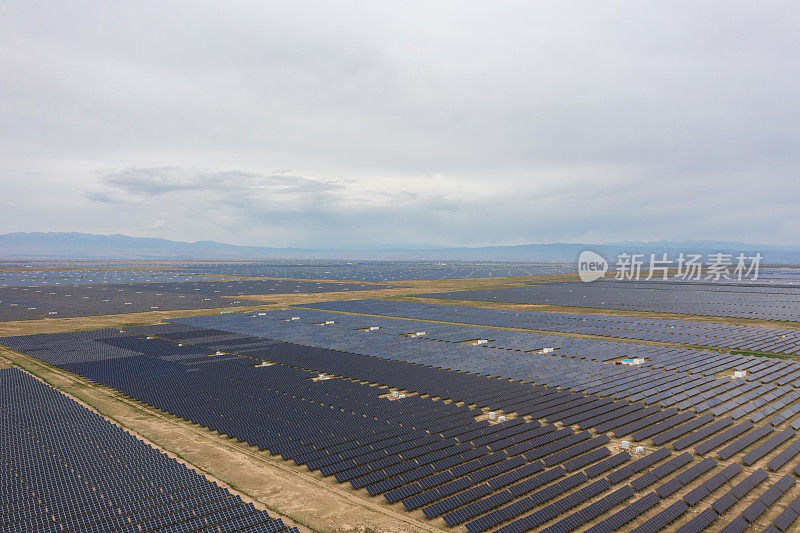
(453, 123)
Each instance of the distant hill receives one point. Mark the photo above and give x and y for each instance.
(62, 246)
(90, 246)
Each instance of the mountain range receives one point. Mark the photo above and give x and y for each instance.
(64, 246)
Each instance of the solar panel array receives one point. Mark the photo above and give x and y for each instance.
(31, 277)
(29, 303)
(689, 332)
(368, 271)
(53, 273)
(65, 468)
(378, 271)
(709, 299)
(670, 378)
(775, 276)
(554, 463)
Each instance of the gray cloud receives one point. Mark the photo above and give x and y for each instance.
(97, 196)
(323, 123)
(158, 181)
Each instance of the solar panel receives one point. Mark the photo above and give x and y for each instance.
(784, 521)
(622, 517)
(661, 471)
(738, 491)
(769, 445)
(678, 431)
(718, 440)
(699, 522)
(703, 433)
(664, 518)
(742, 443)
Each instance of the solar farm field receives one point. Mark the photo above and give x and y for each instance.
(382, 271)
(777, 340)
(357, 414)
(36, 302)
(365, 271)
(771, 302)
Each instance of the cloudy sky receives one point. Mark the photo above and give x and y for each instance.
(449, 123)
